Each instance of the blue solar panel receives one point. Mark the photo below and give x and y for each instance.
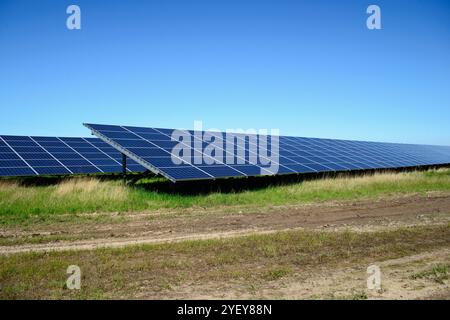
(152, 148)
(28, 156)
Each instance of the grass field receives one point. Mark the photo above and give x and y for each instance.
(20, 202)
(160, 270)
(331, 242)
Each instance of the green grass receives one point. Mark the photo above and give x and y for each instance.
(437, 273)
(158, 270)
(19, 202)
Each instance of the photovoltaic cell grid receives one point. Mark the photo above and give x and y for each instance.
(28, 156)
(152, 148)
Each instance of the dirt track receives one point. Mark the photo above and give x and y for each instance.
(140, 228)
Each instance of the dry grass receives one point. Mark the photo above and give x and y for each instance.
(384, 180)
(352, 183)
(88, 189)
(7, 184)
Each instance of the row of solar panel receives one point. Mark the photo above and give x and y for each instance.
(24, 155)
(249, 156)
(153, 148)
(293, 148)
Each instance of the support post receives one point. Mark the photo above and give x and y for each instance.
(124, 167)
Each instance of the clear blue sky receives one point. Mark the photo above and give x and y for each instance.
(308, 68)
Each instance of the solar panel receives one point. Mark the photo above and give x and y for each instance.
(29, 156)
(154, 148)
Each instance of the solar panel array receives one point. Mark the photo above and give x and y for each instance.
(152, 148)
(29, 156)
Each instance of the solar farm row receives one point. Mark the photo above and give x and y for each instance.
(29, 156)
(153, 149)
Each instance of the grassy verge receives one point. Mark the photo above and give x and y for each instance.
(158, 270)
(85, 195)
